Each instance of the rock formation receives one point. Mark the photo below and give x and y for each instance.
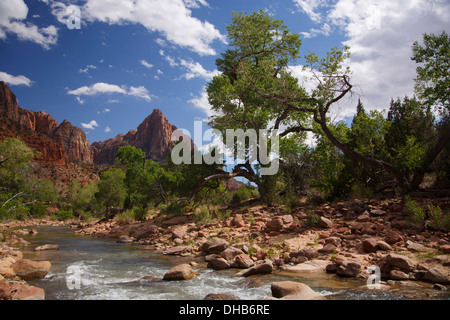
(153, 136)
(55, 144)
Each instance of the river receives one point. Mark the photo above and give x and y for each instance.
(86, 268)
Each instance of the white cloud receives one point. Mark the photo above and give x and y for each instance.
(310, 7)
(12, 12)
(15, 80)
(196, 70)
(97, 88)
(140, 92)
(146, 64)
(106, 88)
(91, 125)
(107, 129)
(380, 34)
(86, 70)
(171, 18)
(202, 103)
(80, 101)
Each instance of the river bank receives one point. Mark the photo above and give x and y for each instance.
(349, 238)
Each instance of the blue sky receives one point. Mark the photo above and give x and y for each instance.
(132, 56)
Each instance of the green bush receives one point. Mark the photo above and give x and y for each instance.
(139, 213)
(311, 221)
(202, 214)
(416, 213)
(63, 215)
(125, 217)
(38, 210)
(439, 220)
(241, 195)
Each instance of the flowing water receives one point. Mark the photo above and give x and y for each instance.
(86, 268)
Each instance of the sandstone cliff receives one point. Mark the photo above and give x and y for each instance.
(56, 144)
(153, 136)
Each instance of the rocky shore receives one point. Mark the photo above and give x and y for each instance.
(348, 239)
(15, 271)
(356, 239)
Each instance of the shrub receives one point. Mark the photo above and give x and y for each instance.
(63, 215)
(416, 213)
(139, 213)
(312, 220)
(241, 195)
(439, 220)
(125, 217)
(202, 214)
(38, 210)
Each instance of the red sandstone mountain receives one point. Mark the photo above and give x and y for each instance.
(56, 144)
(153, 136)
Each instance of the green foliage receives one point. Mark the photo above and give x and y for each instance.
(139, 214)
(416, 212)
(240, 195)
(111, 188)
(433, 70)
(63, 215)
(439, 220)
(311, 221)
(203, 214)
(38, 210)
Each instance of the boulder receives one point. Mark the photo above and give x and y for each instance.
(400, 261)
(229, 253)
(180, 272)
(349, 269)
(382, 245)
(125, 239)
(415, 247)
(30, 270)
(328, 248)
(293, 290)
(244, 261)
(370, 245)
(25, 292)
(276, 224)
(5, 291)
(215, 245)
(47, 247)
(325, 223)
(7, 272)
(436, 276)
(218, 264)
(179, 233)
(393, 237)
(398, 275)
(178, 250)
(263, 268)
(147, 232)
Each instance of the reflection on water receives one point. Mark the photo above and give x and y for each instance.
(87, 268)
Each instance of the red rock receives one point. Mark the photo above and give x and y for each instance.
(244, 261)
(5, 291)
(325, 223)
(370, 245)
(74, 142)
(392, 237)
(30, 270)
(24, 292)
(153, 136)
(180, 272)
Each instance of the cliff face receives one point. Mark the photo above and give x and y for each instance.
(56, 144)
(74, 142)
(153, 136)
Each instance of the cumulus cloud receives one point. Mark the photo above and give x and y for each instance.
(15, 80)
(86, 70)
(202, 103)
(171, 18)
(12, 14)
(106, 88)
(107, 129)
(146, 64)
(196, 70)
(380, 34)
(91, 125)
(97, 88)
